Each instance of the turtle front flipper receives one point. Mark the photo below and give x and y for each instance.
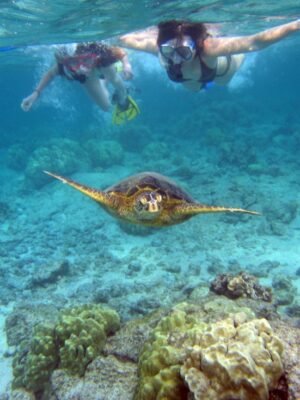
(191, 209)
(97, 195)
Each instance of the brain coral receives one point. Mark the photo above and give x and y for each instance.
(232, 360)
(228, 359)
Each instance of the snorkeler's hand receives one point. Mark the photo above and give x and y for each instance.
(28, 102)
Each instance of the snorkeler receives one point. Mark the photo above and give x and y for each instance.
(93, 65)
(193, 57)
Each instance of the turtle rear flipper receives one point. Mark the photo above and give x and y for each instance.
(197, 208)
(97, 195)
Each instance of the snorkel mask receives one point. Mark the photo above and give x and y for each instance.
(185, 50)
(76, 66)
(82, 63)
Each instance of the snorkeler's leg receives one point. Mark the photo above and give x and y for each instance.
(98, 92)
(112, 76)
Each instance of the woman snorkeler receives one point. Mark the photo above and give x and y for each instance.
(193, 57)
(93, 65)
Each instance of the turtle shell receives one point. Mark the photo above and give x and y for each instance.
(150, 181)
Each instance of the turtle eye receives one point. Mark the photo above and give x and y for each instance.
(143, 200)
(158, 197)
(142, 203)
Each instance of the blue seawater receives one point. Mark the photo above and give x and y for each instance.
(236, 145)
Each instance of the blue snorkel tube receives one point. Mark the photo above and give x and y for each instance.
(209, 85)
(6, 48)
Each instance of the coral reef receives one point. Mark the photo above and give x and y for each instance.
(214, 349)
(105, 378)
(284, 290)
(74, 341)
(241, 285)
(32, 369)
(127, 342)
(5, 210)
(231, 358)
(134, 137)
(162, 357)
(20, 324)
(234, 359)
(278, 217)
(63, 155)
(50, 273)
(104, 153)
(17, 156)
(20, 394)
(294, 311)
(155, 151)
(291, 359)
(110, 376)
(214, 135)
(81, 333)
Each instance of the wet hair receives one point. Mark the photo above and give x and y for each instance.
(174, 29)
(63, 52)
(108, 54)
(91, 47)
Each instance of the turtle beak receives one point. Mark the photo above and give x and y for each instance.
(153, 207)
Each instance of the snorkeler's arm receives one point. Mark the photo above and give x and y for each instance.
(215, 47)
(28, 102)
(47, 78)
(141, 40)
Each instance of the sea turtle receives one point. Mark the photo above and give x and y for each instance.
(148, 199)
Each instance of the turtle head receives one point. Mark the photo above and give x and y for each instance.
(148, 205)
